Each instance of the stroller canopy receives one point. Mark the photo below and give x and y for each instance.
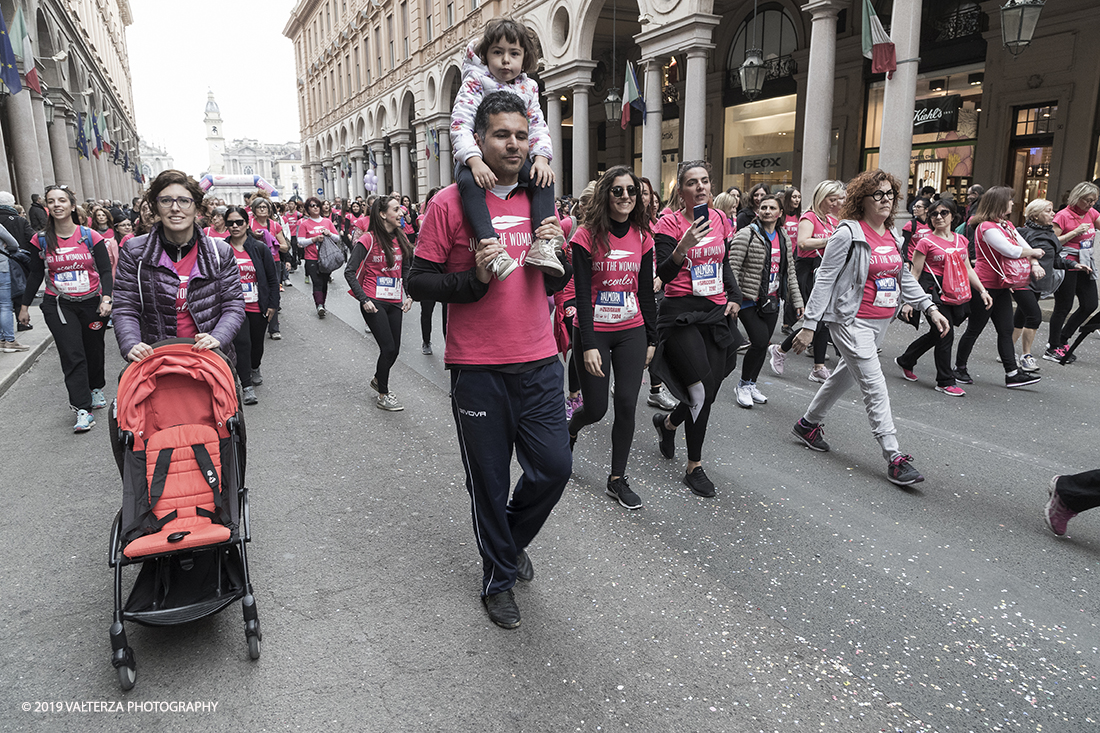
(176, 386)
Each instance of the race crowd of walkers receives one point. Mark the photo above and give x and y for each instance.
(553, 314)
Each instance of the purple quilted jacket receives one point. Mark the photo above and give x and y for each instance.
(146, 284)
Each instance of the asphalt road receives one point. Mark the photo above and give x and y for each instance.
(811, 594)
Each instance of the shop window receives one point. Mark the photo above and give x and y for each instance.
(773, 32)
(759, 144)
(1031, 151)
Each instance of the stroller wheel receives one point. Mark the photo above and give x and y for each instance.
(127, 676)
(253, 651)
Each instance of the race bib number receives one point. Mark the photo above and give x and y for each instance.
(1086, 243)
(773, 283)
(706, 280)
(886, 292)
(387, 288)
(251, 292)
(72, 282)
(614, 307)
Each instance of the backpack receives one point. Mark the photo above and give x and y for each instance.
(85, 237)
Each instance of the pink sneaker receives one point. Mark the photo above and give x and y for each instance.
(776, 360)
(952, 390)
(1056, 515)
(907, 373)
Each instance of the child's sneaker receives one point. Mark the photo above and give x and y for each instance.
(544, 255)
(503, 264)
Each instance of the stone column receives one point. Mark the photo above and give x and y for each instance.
(580, 137)
(97, 173)
(818, 125)
(377, 149)
(87, 179)
(399, 147)
(307, 172)
(42, 135)
(896, 148)
(24, 143)
(330, 187)
(59, 147)
(553, 121)
(357, 174)
(654, 120)
(446, 158)
(433, 161)
(345, 182)
(694, 119)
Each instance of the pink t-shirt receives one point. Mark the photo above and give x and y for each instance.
(773, 270)
(267, 234)
(70, 269)
(881, 293)
(213, 234)
(185, 269)
(790, 226)
(936, 251)
(379, 281)
(701, 273)
(822, 230)
(569, 292)
(249, 286)
(511, 323)
(1069, 219)
(615, 279)
(919, 230)
(308, 228)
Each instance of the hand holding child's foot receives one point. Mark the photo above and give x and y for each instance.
(493, 259)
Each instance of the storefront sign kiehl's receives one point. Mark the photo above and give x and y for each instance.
(938, 114)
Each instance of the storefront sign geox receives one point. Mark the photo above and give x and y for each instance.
(760, 163)
(937, 114)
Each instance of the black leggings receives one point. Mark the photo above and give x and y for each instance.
(1001, 315)
(249, 345)
(955, 314)
(805, 269)
(385, 326)
(574, 367)
(427, 310)
(758, 327)
(1078, 285)
(621, 352)
(79, 342)
(1080, 491)
(319, 282)
(1028, 312)
(693, 355)
(477, 212)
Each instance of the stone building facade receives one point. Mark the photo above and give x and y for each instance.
(377, 79)
(83, 64)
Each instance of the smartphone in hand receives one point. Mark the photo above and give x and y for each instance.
(700, 211)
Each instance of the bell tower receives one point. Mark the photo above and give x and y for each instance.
(215, 140)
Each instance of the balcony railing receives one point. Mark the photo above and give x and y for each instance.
(962, 24)
(778, 67)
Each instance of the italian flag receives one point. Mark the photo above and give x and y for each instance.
(876, 44)
(632, 96)
(22, 48)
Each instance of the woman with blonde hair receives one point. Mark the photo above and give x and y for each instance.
(1075, 227)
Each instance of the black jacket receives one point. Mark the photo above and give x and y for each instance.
(38, 216)
(1044, 238)
(17, 226)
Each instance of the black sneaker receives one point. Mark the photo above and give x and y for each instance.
(666, 439)
(1021, 379)
(24, 327)
(698, 482)
(812, 436)
(502, 609)
(902, 473)
(525, 571)
(619, 490)
(961, 375)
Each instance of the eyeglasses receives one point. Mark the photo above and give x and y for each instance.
(260, 206)
(880, 195)
(184, 202)
(235, 223)
(617, 191)
(939, 214)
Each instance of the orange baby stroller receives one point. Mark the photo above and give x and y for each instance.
(179, 440)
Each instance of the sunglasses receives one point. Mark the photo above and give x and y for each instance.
(235, 223)
(617, 191)
(939, 214)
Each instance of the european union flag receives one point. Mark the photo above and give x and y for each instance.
(81, 138)
(9, 72)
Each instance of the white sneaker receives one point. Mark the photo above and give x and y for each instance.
(662, 400)
(776, 360)
(502, 265)
(744, 396)
(757, 397)
(544, 255)
(99, 400)
(389, 403)
(84, 421)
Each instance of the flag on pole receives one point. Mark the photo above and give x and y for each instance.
(876, 43)
(91, 133)
(81, 138)
(8, 71)
(632, 97)
(23, 50)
